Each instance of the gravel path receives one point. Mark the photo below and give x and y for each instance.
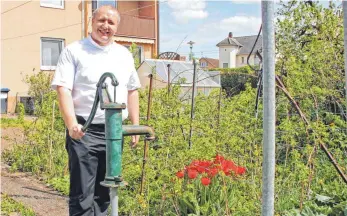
(25, 188)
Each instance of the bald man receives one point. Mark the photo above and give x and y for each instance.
(78, 70)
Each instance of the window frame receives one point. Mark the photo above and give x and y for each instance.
(48, 5)
(95, 4)
(142, 56)
(62, 42)
(203, 64)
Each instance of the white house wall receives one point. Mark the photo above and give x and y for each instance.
(227, 55)
(230, 56)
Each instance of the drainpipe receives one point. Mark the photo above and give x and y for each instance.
(82, 18)
(157, 24)
(86, 18)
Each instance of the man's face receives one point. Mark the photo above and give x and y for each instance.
(104, 26)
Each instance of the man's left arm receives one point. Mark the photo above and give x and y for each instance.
(134, 112)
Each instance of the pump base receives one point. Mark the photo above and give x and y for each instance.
(112, 184)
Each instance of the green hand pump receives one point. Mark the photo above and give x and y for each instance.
(114, 134)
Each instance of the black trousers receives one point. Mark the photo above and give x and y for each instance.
(87, 166)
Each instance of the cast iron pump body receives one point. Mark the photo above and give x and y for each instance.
(114, 130)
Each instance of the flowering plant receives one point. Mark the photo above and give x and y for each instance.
(209, 169)
(205, 184)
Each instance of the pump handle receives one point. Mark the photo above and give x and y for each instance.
(98, 96)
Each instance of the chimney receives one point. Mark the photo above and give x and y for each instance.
(230, 34)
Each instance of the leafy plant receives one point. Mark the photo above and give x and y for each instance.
(10, 206)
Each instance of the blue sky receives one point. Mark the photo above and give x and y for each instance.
(206, 23)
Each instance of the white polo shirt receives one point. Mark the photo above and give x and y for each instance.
(80, 67)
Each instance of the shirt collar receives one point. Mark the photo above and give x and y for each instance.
(105, 48)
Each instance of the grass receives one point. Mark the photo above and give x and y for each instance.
(11, 122)
(9, 205)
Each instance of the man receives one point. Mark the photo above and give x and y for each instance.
(79, 68)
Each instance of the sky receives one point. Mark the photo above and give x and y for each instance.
(206, 23)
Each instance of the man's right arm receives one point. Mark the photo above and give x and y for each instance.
(67, 109)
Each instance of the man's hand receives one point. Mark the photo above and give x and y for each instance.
(76, 132)
(134, 141)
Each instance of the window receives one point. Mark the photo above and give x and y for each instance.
(50, 51)
(98, 3)
(52, 3)
(242, 60)
(203, 64)
(225, 65)
(29, 104)
(137, 54)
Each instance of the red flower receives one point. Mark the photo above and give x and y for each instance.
(205, 163)
(205, 181)
(240, 170)
(200, 169)
(212, 172)
(219, 159)
(194, 163)
(180, 174)
(226, 171)
(192, 173)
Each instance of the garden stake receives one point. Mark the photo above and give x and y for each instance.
(168, 79)
(192, 105)
(344, 8)
(114, 134)
(145, 148)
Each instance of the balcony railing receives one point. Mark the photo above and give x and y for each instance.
(134, 26)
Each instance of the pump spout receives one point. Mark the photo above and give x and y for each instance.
(130, 130)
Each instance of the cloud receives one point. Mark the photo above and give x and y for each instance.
(213, 32)
(208, 34)
(245, 1)
(186, 10)
(241, 25)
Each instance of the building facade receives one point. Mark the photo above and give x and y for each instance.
(33, 34)
(234, 51)
(208, 63)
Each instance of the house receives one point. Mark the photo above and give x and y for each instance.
(208, 63)
(35, 32)
(233, 51)
(179, 73)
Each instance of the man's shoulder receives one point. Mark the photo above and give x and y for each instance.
(121, 49)
(76, 45)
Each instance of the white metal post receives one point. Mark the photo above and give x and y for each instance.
(268, 186)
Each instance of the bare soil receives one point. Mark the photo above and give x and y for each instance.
(27, 189)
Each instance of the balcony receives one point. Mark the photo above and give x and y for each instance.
(134, 26)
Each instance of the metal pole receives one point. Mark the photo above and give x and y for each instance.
(168, 79)
(344, 6)
(114, 201)
(269, 108)
(192, 106)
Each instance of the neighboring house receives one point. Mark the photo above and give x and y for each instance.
(35, 32)
(208, 63)
(233, 51)
(180, 73)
